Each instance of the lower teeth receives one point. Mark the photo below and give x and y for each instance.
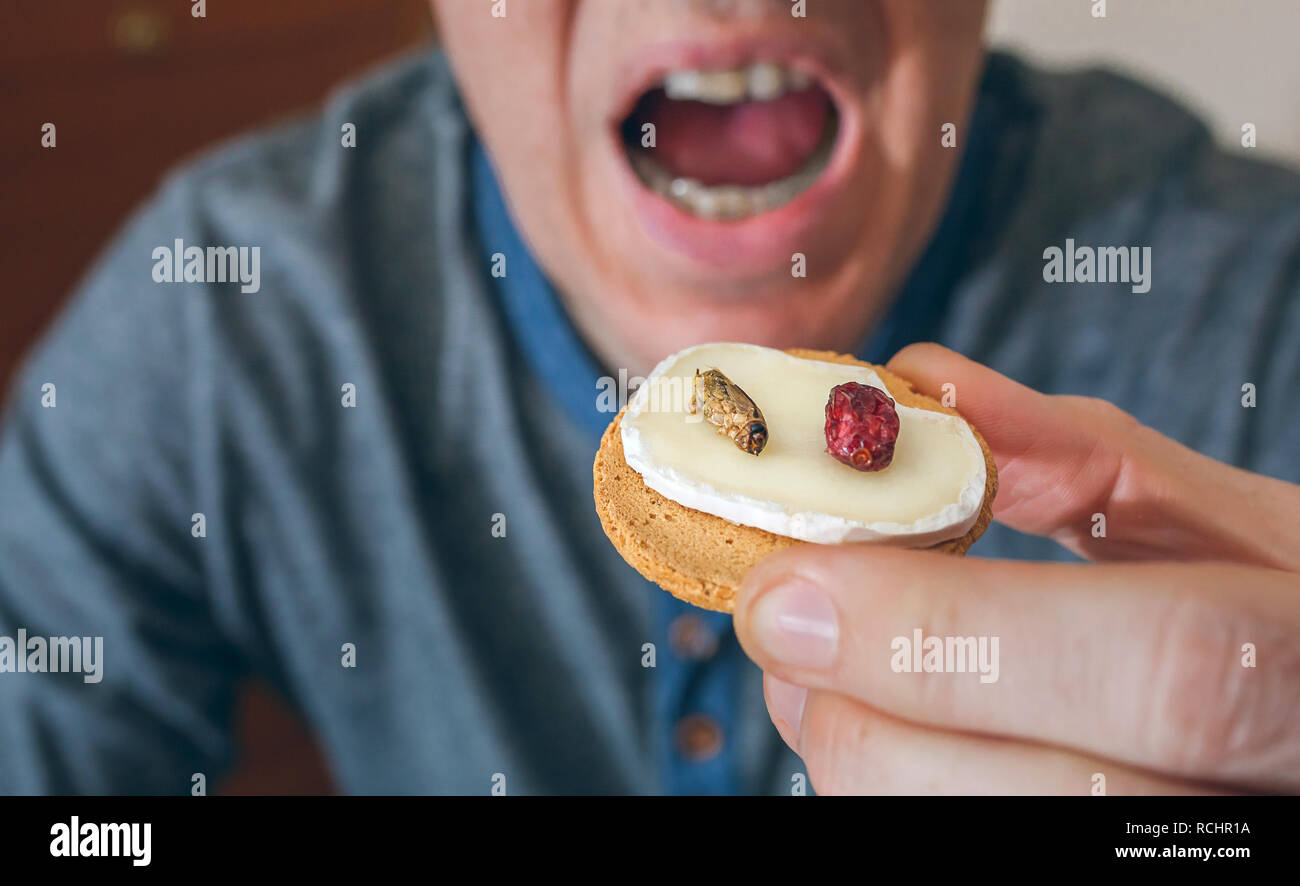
(729, 202)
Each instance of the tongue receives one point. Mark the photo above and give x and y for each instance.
(751, 143)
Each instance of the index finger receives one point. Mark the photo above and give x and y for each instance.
(1065, 461)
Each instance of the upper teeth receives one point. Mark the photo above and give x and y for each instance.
(763, 81)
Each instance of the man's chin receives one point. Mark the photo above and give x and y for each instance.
(781, 315)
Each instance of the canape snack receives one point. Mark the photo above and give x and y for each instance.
(693, 510)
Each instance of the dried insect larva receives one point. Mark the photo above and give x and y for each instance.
(724, 405)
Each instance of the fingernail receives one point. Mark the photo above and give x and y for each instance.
(785, 703)
(795, 624)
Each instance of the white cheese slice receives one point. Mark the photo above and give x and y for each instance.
(931, 492)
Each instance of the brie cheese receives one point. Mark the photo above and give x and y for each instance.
(931, 492)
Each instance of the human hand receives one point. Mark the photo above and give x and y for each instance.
(1171, 664)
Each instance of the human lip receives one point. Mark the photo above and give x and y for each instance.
(652, 67)
(758, 235)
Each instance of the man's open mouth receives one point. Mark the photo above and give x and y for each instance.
(729, 144)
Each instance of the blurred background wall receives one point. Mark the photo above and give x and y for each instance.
(135, 86)
(1235, 61)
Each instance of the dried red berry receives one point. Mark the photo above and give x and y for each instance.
(861, 426)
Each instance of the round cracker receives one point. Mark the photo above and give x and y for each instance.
(701, 558)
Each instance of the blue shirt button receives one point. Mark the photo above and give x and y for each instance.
(698, 738)
(691, 639)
